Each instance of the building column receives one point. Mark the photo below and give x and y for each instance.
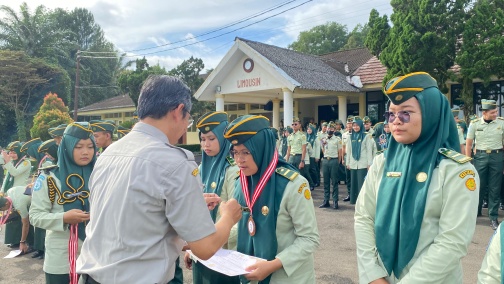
(247, 108)
(219, 102)
(296, 109)
(288, 106)
(276, 113)
(342, 108)
(362, 105)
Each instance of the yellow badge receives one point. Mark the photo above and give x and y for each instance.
(301, 187)
(25, 163)
(394, 174)
(213, 185)
(307, 194)
(195, 172)
(234, 142)
(470, 184)
(265, 210)
(207, 128)
(421, 177)
(466, 173)
(398, 97)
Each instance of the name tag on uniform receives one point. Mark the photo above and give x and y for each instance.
(394, 174)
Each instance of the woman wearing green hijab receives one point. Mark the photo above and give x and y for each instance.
(18, 173)
(380, 138)
(416, 213)
(60, 202)
(278, 223)
(218, 174)
(359, 156)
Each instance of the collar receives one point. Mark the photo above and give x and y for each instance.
(150, 130)
(482, 120)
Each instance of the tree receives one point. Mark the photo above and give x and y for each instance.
(379, 29)
(357, 37)
(321, 39)
(422, 38)
(53, 112)
(21, 80)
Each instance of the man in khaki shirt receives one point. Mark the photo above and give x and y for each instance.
(488, 131)
(296, 149)
(330, 164)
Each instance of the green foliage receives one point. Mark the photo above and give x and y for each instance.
(53, 112)
(128, 124)
(321, 39)
(379, 29)
(357, 37)
(195, 148)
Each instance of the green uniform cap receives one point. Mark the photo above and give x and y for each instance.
(122, 131)
(405, 87)
(102, 125)
(356, 118)
(324, 124)
(210, 120)
(57, 131)
(30, 143)
(339, 122)
(14, 146)
(50, 147)
(294, 119)
(244, 127)
(366, 119)
(455, 111)
(488, 104)
(81, 130)
(350, 118)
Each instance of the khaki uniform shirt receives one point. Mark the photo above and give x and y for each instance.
(48, 215)
(150, 193)
(296, 141)
(488, 136)
(490, 272)
(332, 147)
(20, 201)
(446, 231)
(366, 154)
(321, 135)
(21, 173)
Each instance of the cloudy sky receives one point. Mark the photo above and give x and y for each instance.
(167, 32)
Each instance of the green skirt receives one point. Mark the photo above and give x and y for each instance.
(204, 275)
(39, 239)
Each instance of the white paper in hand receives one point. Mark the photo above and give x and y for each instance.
(228, 262)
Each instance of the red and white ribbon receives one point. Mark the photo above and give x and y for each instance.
(73, 244)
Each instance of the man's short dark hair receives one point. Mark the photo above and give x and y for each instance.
(161, 94)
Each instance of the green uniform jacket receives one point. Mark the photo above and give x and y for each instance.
(21, 173)
(446, 232)
(490, 272)
(49, 215)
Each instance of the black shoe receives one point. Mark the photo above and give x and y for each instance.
(346, 199)
(485, 204)
(494, 224)
(37, 254)
(42, 256)
(13, 246)
(324, 205)
(335, 205)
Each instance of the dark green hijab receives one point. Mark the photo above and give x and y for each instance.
(33, 152)
(379, 131)
(357, 138)
(261, 146)
(9, 179)
(75, 179)
(310, 138)
(399, 212)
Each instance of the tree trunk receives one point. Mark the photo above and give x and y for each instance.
(467, 97)
(21, 125)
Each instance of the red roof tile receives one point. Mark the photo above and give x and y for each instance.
(371, 72)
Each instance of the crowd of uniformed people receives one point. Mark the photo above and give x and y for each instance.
(123, 206)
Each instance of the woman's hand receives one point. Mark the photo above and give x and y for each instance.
(262, 269)
(212, 200)
(75, 216)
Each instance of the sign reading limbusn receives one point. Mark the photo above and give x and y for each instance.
(244, 83)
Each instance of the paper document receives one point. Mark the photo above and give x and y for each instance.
(13, 253)
(228, 262)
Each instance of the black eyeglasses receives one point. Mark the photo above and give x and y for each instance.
(404, 116)
(294, 124)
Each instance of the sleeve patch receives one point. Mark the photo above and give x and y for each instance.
(195, 172)
(38, 183)
(470, 184)
(466, 173)
(303, 185)
(307, 194)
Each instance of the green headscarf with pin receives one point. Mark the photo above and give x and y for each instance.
(9, 179)
(74, 178)
(252, 131)
(357, 138)
(401, 201)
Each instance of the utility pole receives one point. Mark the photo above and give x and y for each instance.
(76, 97)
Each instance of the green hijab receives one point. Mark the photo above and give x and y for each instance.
(9, 179)
(399, 212)
(379, 132)
(310, 138)
(75, 179)
(357, 138)
(262, 147)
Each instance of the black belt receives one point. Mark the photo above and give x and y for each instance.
(88, 279)
(330, 158)
(489, 151)
(293, 155)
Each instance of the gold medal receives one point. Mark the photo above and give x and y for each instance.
(265, 210)
(213, 185)
(251, 226)
(421, 177)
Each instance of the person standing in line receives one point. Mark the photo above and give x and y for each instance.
(57, 133)
(103, 131)
(321, 136)
(16, 201)
(330, 163)
(359, 157)
(279, 222)
(283, 141)
(416, 213)
(344, 138)
(141, 190)
(368, 125)
(218, 173)
(314, 154)
(488, 131)
(296, 149)
(461, 129)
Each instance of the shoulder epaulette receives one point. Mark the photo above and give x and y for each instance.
(501, 118)
(48, 168)
(231, 161)
(454, 155)
(289, 174)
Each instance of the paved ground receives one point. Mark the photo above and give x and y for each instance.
(335, 260)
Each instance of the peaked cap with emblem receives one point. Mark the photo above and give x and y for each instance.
(356, 118)
(403, 88)
(350, 118)
(366, 119)
(455, 111)
(13, 146)
(324, 123)
(488, 104)
(57, 131)
(210, 120)
(102, 125)
(81, 130)
(30, 143)
(49, 146)
(122, 131)
(294, 119)
(338, 122)
(244, 127)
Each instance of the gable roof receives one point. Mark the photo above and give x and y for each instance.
(372, 71)
(310, 71)
(355, 58)
(120, 101)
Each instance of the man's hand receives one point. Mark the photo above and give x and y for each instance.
(188, 261)
(379, 281)
(231, 209)
(23, 247)
(75, 216)
(301, 165)
(212, 200)
(6, 157)
(262, 269)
